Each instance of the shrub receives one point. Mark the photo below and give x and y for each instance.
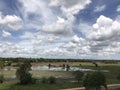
(25, 78)
(44, 80)
(94, 80)
(118, 76)
(78, 75)
(33, 80)
(51, 80)
(1, 78)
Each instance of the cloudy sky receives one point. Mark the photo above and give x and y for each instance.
(60, 28)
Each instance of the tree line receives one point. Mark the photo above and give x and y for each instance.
(19, 59)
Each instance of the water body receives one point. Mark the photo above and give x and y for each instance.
(46, 68)
(59, 68)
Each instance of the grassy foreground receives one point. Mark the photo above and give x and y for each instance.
(38, 86)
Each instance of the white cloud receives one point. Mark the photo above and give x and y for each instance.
(77, 46)
(61, 26)
(75, 39)
(40, 14)
(6, 34)
(100, 8)
(15, 26)
(118, 8)
(36, 13)
(50, 30)
(10, 21)
(103, 38)
(105, 29)
(70, 6)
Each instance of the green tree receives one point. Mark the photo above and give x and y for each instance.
(2, 64)
(23, 74)
(67, 67)
(94, 81)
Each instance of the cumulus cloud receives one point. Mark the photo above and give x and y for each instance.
(11, 21)
(105, 29)
(103, 38)
(61, 26)
(76, 39)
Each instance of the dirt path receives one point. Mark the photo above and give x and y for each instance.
(111, 86)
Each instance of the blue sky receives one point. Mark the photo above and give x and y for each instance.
(88, 29)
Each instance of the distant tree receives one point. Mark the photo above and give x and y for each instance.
(78, 75)
(2, 64)
(94, 81)
(49, 66)
(96, 65)
(63, 66)
(80, 65)
(9, 63)
(67, 67)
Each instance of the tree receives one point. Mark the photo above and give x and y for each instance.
(67, 67)
(49, 66)
(23, 74)
(96, 65)
(2, 64)
(94, 81)
(78, 75)
(63, 66)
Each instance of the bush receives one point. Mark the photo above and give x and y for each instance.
(51, 80)
(94, 80)
(78, 75)
(44, 80)
(118, 76)
(1, 78)
(25, 78)
(33, 80)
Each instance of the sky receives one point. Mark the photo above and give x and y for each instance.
(79, 29)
